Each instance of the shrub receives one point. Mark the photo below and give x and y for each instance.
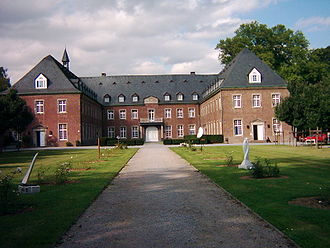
(78, 143)
(69, 144)
(229, 158)
(167, 142)
(9, 195)
(62, 172)
(265, 168)
(26, 140)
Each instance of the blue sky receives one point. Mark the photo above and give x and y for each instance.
(290, 12)
(142, 36)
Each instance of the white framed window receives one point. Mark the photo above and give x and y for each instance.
(238, 131)
(180, 131)
(40, 82)
(121, 98)
(180, 97)
(254, 76)
(122, 133)
(192, 129)
(135, 98)
(191, 112)
(276, 99)
(61, 106)
(106, 98)
(110, 114)
(256, 101)
(168, 113)
(195, 97)
(62, 132)
(135, 132)
(39, 106)
(179, 113)
(134, 114)
(167, 97)
(111, 132)
(168, 132)
(237, 101)
(122, 114)
(276, 125)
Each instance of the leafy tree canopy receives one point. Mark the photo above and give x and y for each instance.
(14, 113)
(4, 80)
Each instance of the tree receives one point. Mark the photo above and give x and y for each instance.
(14, 113)
(307, 107)
(279, 47)
(4, 80)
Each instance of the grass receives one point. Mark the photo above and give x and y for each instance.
(308, 171)
(57, 207)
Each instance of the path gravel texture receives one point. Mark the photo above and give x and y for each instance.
(159, 200)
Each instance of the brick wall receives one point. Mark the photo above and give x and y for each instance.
(159, 111)
(48, 121)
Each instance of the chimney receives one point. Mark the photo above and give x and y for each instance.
(103, 74)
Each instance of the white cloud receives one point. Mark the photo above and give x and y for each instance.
(119, 36)
(316, 23)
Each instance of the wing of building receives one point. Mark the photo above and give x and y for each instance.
(237, 103)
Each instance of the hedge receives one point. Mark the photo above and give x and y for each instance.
(104, 141)
(205, 139)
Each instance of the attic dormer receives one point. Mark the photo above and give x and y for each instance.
(40, 82)
(254, 76)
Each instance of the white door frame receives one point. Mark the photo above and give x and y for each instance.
(260, 130)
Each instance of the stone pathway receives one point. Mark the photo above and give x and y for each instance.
(158, 200)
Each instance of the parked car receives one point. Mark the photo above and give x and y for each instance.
(320, 138)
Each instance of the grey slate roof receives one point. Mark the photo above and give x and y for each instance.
(149, 85)
(59, 79)
(235, 74)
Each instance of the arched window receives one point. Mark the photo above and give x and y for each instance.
(167, 97)
(106, 98)
(195, 96)
(179, 97)
(135, 98)
(40, 82)
(121, 98)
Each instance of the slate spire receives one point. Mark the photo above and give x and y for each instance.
(65, 59)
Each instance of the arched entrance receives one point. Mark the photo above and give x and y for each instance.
(152, 134)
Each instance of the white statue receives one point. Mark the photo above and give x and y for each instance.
(246, 164)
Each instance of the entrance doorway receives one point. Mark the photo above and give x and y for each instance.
(258, 131)
(40, 138)
(152, 134)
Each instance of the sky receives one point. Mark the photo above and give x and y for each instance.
(122, 37)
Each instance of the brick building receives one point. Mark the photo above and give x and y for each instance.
(238, 102)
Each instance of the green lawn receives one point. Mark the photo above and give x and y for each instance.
(57, 207)
(308, 171)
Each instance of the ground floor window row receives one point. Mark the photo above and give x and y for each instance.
(177, 131)
(257, 128)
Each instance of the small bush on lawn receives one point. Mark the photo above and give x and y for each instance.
(265, 168)
(9, 195)
(229, 158)
(62, 172)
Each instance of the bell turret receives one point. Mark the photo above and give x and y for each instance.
(66, 60)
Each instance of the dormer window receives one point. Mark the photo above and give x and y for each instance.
(254, 76)
(179, 97)
(40, 82)
(121, 98)
(195, 97)
(167, 97)
(106, 98)
(135, 98)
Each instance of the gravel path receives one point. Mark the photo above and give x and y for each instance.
(158, 200)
